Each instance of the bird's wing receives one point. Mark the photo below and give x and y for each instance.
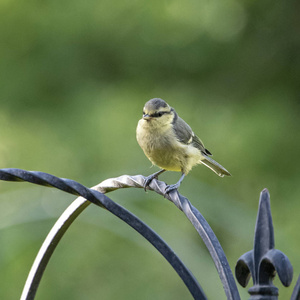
(183, 131)
(185, 135)
(199, 144)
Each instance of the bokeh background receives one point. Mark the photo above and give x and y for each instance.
(74, 76)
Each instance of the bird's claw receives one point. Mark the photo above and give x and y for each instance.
(148, 181)
(171, 187)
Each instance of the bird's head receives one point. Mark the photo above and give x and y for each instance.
(158, 111)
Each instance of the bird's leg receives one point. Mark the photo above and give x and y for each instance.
(150, 177)
(175, 186)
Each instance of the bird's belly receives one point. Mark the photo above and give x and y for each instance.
(166, 158)
(160, 151)
(171, 156)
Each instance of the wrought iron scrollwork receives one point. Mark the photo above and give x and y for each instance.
(263, 262)
(96, 196)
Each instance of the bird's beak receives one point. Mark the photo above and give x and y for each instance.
(146, 117)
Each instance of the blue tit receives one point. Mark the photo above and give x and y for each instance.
(170, 143)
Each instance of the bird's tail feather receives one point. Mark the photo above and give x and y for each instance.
(214, 166)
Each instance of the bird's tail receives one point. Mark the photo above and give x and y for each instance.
(214, 166)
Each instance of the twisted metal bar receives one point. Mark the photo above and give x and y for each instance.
(194, 216)
(71, 213)
(126, 181)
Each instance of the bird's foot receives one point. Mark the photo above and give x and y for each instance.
(175, 186)
(148, 180)
(171, 187)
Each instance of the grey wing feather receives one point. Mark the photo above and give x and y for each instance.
(185, 135)
(183, 131)
(198, 144)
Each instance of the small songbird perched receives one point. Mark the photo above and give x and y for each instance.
(170, 143)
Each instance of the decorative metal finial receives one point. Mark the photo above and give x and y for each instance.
(263, 262)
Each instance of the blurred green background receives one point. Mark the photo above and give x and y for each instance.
(74, 76)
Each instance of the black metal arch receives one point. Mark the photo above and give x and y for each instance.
(96, 196)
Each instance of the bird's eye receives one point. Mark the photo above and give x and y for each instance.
(158, 114)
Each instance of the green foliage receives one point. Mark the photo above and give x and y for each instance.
(74, 76)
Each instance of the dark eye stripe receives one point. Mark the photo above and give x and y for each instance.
(159, 114)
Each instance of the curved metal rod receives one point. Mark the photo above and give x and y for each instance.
(296, 291)
(49, 245)
(70, 215)
(195, 217)
(214, 247)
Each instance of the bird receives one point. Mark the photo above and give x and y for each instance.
(170, 143)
